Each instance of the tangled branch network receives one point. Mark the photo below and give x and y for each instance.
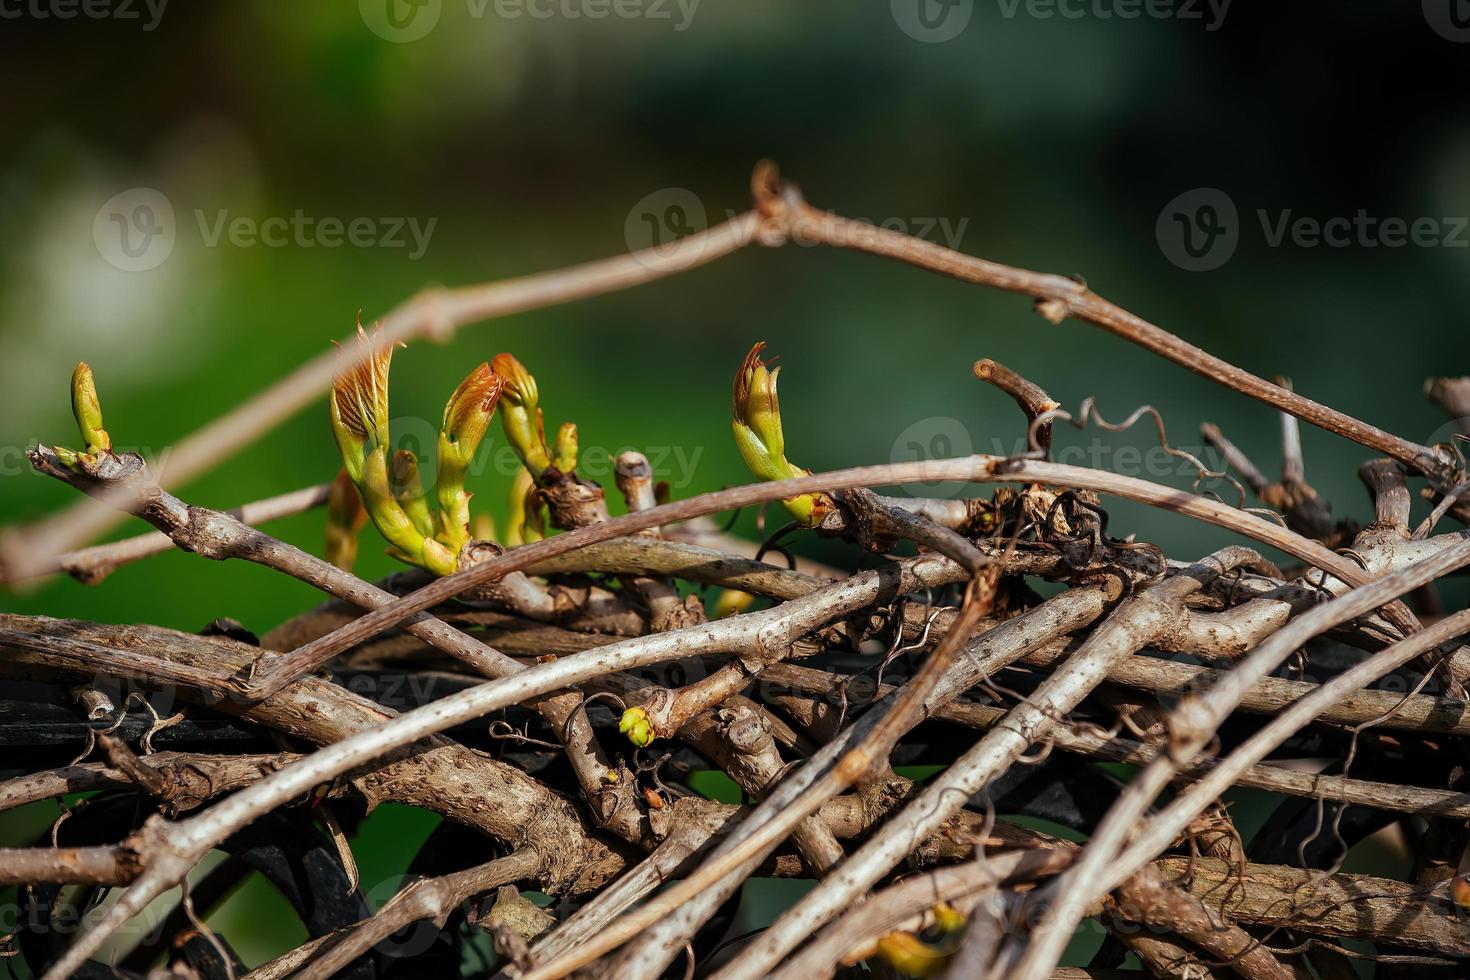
(564, 688)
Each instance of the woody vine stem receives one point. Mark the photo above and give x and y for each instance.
(569, 678)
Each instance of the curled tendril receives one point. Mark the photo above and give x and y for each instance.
(1088, 413)
(900, 648)
(734, 517)
(773, 543)
(1096, 537)
(587, 703)
(640, 767)
(502, 730)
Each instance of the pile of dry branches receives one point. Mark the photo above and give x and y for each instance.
(548, 689)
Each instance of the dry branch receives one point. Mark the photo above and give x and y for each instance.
(940, 624)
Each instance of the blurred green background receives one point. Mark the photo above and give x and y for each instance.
(1051, 143)
(1055, 142)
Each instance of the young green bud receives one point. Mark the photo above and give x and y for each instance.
(520, 385)
(911, 956)
(565, 455)
(393, 499)
(524, 522)
(948, 919)
(467, 417)
(393, 523)
(732, 602)
(757, 418)
(359, 404)
(87, 410)
(636, 726)
(758, 435)
(520, 413)
(345, 518)
(408, 488)
(466, 420)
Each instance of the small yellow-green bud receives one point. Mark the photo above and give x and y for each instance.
(732, 601)
(911, 956)
(520, 413)
(948, 918)
(757, 418)
(756, 424)
(359, 403)
(520, 384)
(636, 726)
(393, 523)
(466, 419)
(565, 455)
(524, 522)
(408, 488)
(88, 410)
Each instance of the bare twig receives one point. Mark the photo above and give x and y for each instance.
(92, 565)
(1194, 723)
(271, 672)
(1029, 397)
(892, 907)
(1235, 458)
(428, 898)
(1059, 297)
(768, 823)
(68, 865)
(191, 779)
(1358, 906)
(1127, 629)
(148, 779)
(220, 536)
(1085, 740)
(434, 313)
